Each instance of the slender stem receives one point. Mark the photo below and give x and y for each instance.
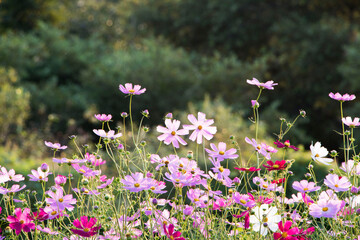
(343, 130)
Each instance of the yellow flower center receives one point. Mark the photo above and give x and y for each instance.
(276, 166)
(287, 144)
(53, 213)
(165, 222)
(177, 180)
(196, 200)
(40, 177)
(136, 185)
(82, 170)
(325, 209)
(242, 201)
(305, 189)
(265, 220)
(172, 237)
(22, 221)
(317, 155)
(86, 230)
(265, 186)
(221, 153)
(199, 127)
(336, 185)
(152, 188)
(221, 169)
(173, 133)
(61, 200)
(258, 147)
(284, 235)
(131, 91)
(181, 165)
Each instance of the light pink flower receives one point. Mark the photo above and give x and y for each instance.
(324, 208)
(220, 152)
(14, 188)
(136, 182)
(85, 171)
(55, 146)
(38, 175)
(342, 98)
(268, 85)
(103, 117)
(110, 134)
(129, 89)
(201, 127)
(171, 134)
(11, 175)
(58, 200)
(258, 147)
(304, 186)
(337, 183)
(351, 123)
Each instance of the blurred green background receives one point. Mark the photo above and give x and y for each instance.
(61, 61)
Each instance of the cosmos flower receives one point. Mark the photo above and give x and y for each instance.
(286, 232)
(55, 146)
(342, 98)
(337, 183)
(250, 169)
(258, 147)
(103, 117)
(58, 200)
(351, 167)
(136, 182)
(110, 134)
(21, 221)
(351, 123)
(268, 85)
(85, 227)
(171, 234)
(265, 218)
(286, 144)
(11, 175)
(304, 186)
(38, 175)
(14, 188)
(171, 134)
(129, 89)
(324, 208)
(318, 154)
(201, 126)
(220, 152)
(278, 165)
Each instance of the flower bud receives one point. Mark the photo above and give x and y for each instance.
(143, 143)
(331, 170)
(84, 181)
(169, 116)
(302, 113)
(146, 129)
(124, 114)
(145, 113)
(44, 167)
(347, 133)
(190, 155)
(308, 175)
(155, 201)
(290, 173)
(334, 153)
(255, 104)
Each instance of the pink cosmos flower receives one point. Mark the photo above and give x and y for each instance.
(220, 152)
(351, 123)
(244, 200)
(169, 232)
(94, 160)
(350, 167)
(171, 134)
(11, 175)
(55, 146)
(220, 173)
(14, 188)
(157, 186)
(107, 183)
(201, 127)
(304, 186)
(342, 98)
(250, 169)
(286, 144)
(278, 165)
(337, 183)
(57, 200)
(255, 104)
(46, 230)
(39, 216)
(21, 221)
(136, 182)
(110, 134)
(286, 232)
(258, 147)
(129, 89)
(85, 227)
(198, 197)
(324, 208)
(38, 175)
(85, 171)
(103, 117)
(268, 85)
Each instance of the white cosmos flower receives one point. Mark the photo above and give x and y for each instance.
(318, 153)
(265, 218)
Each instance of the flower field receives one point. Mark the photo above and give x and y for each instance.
(210, 191)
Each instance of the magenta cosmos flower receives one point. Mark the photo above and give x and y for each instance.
(129, 89)
(268, 85)
(337, 183)
(201, 127)
(286, 232)
(351, 123)
(103, 117)
(304, 186)
(171, 134)
(171, 234)
(21, 221)
(286, 144)
(278, 165)
(250, 169)
(220, 152)
(55, 146)
(342, 98)
(85, 227)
